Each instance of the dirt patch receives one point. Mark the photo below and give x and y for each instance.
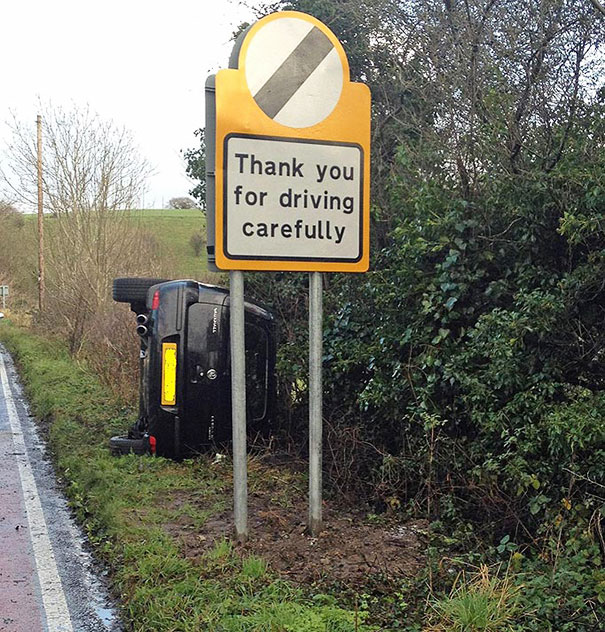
(350, 548)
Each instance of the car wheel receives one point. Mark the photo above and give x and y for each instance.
(133, 289)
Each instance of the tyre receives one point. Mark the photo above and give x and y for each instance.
(133, 289)
(124, 445)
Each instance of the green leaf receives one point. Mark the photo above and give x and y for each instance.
(451, 301)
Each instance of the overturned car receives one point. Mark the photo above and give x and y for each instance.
(185, 366)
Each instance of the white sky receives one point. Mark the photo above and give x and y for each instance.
(141, 63)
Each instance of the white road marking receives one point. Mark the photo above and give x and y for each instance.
(53, 597)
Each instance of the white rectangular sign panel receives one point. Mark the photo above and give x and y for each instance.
(292, 199)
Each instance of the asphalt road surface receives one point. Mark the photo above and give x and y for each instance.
(48, 580)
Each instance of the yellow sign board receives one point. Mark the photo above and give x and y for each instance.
(292, 153)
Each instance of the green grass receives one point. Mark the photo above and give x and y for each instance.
(172, 230)
(485, 603)
(126, 503)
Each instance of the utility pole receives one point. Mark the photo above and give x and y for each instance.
(40, 220)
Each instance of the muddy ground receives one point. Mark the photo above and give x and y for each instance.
(352, 546)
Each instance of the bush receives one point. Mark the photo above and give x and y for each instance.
(113, 351)
(85, 252)
(182, 203)
(197, 241)
(10, 215)
(464, 374)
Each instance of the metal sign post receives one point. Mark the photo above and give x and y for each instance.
(315, 402)
(3, 294)
(238, 405)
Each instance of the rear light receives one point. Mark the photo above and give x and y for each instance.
(168, 396)
(155, 303)
(152, 444)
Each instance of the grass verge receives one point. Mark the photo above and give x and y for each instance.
(121, 504)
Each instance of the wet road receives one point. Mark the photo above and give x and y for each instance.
(48, 579)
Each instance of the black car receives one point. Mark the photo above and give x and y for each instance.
(185, 376)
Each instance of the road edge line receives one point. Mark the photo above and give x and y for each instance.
(53, 597)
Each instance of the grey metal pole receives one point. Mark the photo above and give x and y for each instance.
(238, 405)
(315, 401)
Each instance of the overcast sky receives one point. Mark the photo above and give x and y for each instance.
(141, 63)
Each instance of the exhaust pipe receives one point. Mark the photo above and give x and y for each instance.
(142, 330)
(142, 319)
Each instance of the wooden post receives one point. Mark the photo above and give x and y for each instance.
(40, 220)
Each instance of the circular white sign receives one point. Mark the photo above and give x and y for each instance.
(294, 72)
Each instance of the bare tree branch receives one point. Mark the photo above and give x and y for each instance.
(598, 6)
(88, 163)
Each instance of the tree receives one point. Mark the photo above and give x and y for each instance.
(182, 203)
(11, 232)
(88, 163)
(92, 172)
(482, 318)
(196, 167)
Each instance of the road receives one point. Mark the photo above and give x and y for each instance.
(49, 581)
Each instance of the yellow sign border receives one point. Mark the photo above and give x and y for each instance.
(238, 113)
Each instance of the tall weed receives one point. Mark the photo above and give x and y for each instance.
(481, 603)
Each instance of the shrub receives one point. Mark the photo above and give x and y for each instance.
(197, 242)
(182, 203)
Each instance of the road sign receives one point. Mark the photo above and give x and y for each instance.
(292, 152)
(3, 290)
(294, 71)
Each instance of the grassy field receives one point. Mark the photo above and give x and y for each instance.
(173, 230)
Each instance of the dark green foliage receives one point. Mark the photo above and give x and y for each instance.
(463, 370)
(565, 593)
(464, 375)
(196, 167)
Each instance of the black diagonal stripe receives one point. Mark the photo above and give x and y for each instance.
(295, 70)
